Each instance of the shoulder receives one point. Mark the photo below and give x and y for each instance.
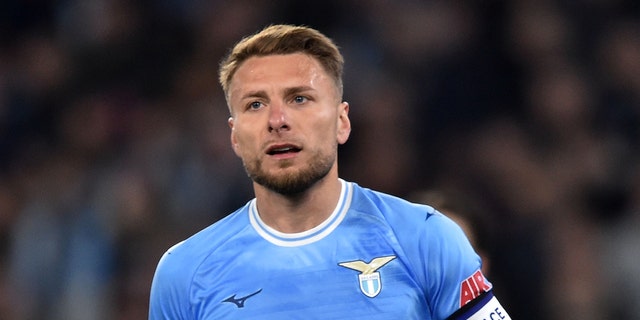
(368, 199)
(400, 213)
(433, 246)
(177, 267)
(423, 232)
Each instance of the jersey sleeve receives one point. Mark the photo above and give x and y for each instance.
(169, 297)
(448, 261)
(452, 269)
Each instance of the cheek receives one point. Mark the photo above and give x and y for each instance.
(327, 134)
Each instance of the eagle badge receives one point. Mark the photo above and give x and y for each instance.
(369, 277)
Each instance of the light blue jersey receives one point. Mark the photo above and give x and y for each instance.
(375, 257)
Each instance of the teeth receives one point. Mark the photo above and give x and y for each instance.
(282, 149)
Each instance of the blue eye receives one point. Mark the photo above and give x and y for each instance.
(255, 105)
(299, 99)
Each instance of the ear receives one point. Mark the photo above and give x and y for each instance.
(234, 141)
(344, 124)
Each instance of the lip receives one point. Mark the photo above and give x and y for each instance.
(283, 150)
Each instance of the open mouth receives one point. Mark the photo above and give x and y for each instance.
(282, 150)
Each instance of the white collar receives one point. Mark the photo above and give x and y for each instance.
(306, 237)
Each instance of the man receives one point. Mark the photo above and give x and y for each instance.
(311, 245)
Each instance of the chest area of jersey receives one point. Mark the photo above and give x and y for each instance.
(345, 276)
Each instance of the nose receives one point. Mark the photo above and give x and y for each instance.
(278, 119)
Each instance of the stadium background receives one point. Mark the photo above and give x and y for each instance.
(114, 142)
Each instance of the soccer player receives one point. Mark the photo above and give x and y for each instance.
(311, 245)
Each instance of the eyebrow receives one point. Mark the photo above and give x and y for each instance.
(254, 94)
(294, 90)
(287, 92)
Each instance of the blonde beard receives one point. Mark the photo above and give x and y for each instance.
(291, 183)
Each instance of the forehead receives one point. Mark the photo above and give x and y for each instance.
(258, 73)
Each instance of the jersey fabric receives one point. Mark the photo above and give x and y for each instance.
(376, 257)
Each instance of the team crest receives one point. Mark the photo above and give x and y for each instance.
(369, 278)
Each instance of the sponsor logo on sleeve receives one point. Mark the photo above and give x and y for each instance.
(472, 287)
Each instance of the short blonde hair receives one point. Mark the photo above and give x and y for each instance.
(284, 39)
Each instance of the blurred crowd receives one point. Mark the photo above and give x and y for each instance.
(524, 114)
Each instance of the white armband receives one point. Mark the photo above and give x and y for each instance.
(485, 307)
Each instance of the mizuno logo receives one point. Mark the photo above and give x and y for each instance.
(239, 302)
(369, 279)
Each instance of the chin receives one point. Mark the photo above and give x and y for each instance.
(288, 180)
(291, 183)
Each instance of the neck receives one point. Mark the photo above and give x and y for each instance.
(300, 212)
